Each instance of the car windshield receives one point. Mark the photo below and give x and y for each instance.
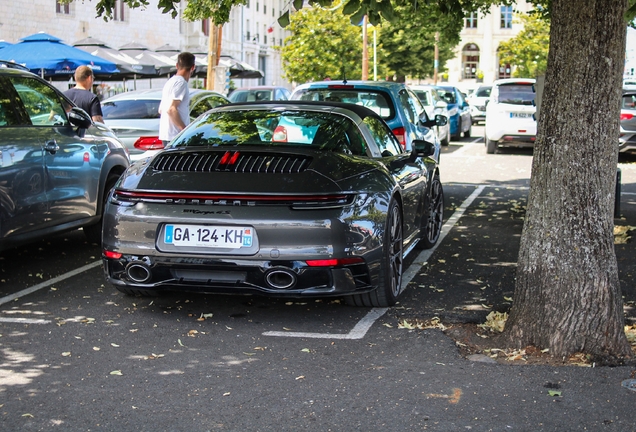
(424, 97)
(314, 130)
(448, 95)
(516, 94)
(251, 95)
(131, 109)
(483, 92)
(377, 101)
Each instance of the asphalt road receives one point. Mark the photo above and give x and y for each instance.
(75, 354)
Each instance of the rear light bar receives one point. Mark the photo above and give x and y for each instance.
(149, 143)
(340, 86)
(295, 201)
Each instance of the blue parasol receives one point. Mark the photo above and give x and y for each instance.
(48, 57)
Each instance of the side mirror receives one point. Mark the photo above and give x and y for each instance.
(423, 148)
(79, 118)
(441, 120)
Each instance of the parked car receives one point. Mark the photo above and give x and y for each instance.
(330, 212)
(477, 101)
(434, 104)
(134, 117)
(458, 110)
(259, 93)
(56, 165)
(627, 137)
(510, 114)
(398, 106)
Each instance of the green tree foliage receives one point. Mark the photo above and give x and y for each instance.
(528, 51)
(409, 41)
(323, 44)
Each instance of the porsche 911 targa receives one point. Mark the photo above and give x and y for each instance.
(287, 199)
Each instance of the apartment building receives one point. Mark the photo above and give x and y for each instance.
(251, 35)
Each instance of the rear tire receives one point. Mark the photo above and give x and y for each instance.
(491, 146)
(467, 132)
(391, 266)
(433, 217)
(93, 233)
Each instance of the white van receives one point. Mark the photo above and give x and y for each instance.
(510, 113)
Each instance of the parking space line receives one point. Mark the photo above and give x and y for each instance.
(361, 328)
(24, 321)
(49, 282)
(358, 332)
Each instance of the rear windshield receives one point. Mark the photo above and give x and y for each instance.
(483, 92)
(131, 109)
(314, 130)
(516, 94)
(629, 101)
(377, 101)
(251, 95)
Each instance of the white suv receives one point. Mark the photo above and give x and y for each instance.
(510, 114)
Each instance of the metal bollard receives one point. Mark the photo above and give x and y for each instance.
(617, 198)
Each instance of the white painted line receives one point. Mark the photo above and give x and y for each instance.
(357, 332)
(363, 326)
(464, 148)
(49, 282)
(24, 321)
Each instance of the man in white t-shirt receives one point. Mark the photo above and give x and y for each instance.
(175, 99)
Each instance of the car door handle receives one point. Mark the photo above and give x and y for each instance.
(51, 147)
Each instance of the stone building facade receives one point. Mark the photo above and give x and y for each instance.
(251, 35)
(477, 58)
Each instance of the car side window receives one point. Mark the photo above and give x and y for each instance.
(407, 106)
(417, 105)
(383, 137)
(42, 104)
(8, 115)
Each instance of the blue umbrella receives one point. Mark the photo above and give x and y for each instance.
(47, 56)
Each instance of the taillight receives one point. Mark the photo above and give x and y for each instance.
(400, 134)
(148, 143)
(626, 116)
(112, 255)
(280, 134)
(87, 157)
(334, 262)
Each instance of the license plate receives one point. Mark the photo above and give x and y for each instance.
(208, 236)
(520, 115)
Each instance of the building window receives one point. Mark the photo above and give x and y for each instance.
(119, 11)
(504, 70)
(256, 6)
(470, 61)
(273, 12)
(264, 9)
(506, 17)
(64, 9)
(471, 20)
(205, 27)
(247, 5)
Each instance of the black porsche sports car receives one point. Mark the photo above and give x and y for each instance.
(294, 199)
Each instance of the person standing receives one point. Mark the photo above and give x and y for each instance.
(175, 99)
(82, 94)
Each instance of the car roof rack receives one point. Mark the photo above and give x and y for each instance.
(13, 65)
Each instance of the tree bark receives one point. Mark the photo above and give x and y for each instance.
(567, 295)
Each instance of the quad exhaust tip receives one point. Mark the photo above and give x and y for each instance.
(281, 278)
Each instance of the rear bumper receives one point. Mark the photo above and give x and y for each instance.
(235, 276)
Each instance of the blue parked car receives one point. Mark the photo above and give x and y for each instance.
(398, 106)
(459, 111)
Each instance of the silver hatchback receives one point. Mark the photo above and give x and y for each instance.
(134, 117)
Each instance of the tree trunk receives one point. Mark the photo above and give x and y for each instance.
(567, 296)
